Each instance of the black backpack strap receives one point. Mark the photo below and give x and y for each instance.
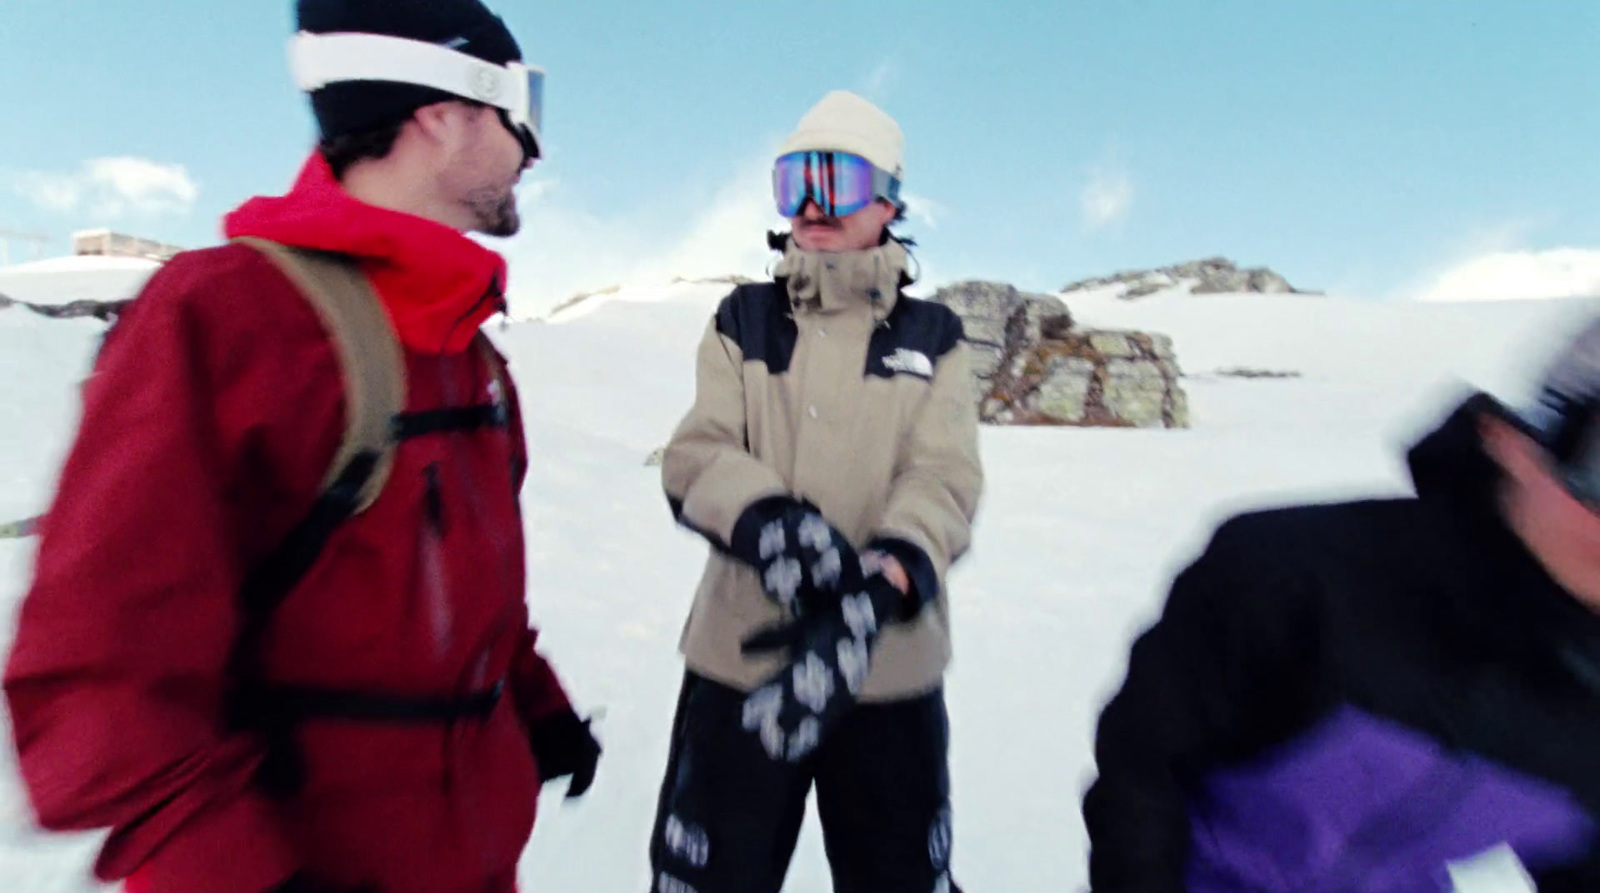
(494, 414)
(292, 704)
(276, 575)
(458, 418)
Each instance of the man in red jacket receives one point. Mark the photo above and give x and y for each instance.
(377, 752)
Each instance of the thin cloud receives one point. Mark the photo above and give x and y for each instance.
(881, 81)
(51, 192)
(566, 249)
(1507, 235)
(924, 210)
(1515, 275)
(1107, 197)
(110, 188)
(534, 190)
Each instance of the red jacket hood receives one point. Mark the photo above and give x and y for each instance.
(438, 285)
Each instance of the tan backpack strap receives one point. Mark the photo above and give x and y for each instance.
(369, 354)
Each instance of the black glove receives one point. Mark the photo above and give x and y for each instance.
(830, 653)
(803, 561)
(919, 571)
(305, 883)
(563, 745)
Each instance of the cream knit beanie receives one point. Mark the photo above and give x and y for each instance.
(844, 122)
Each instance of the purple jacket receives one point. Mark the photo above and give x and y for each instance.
(1356, 698)
(1363, 805)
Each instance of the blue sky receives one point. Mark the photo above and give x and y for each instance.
(1367, 147)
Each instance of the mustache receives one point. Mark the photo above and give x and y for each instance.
(824, 222)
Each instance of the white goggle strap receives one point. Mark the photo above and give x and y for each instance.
(317, 60)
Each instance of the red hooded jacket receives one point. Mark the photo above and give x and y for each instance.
(212, 415)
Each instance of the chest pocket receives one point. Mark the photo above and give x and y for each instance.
(912, 339)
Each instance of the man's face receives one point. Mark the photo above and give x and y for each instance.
(860, 231)
(1560, 529)
(482, 170)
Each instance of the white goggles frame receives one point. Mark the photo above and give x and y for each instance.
(317, 60)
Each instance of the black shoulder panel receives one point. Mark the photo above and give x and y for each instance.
(913, 340)
(756, 317)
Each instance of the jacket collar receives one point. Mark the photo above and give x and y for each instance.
(839, 281)
(437, 285)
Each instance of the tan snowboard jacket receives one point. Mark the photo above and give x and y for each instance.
(830, 385)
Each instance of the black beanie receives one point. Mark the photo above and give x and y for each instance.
(351, 107)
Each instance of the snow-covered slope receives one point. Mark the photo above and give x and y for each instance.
(40, 359)
(1079, 533)
(63, 280)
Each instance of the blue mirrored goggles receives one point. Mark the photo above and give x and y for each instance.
(838, 183)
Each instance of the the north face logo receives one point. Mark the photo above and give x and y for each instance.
(912, 362)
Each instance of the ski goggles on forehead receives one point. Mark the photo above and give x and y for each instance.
(839, 183)
(515, 89)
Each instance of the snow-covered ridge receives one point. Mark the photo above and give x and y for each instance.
(1078, 535)
(585, 303)
(1215, 275)
(64, 280)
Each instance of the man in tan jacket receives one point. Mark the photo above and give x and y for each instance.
(831, 459)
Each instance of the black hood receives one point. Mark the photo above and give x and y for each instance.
(1450, 465)
(1531, 613)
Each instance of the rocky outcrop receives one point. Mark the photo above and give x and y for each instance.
(1250, 373)
(1215, 275)
(19, 529)
(580, 298)
(102, 310)
(1097, 378)
(998, 318)
(1031, 366)
(729, 279)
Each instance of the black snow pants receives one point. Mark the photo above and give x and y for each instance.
(729, 816)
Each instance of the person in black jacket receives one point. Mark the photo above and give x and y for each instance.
(1380, 696)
